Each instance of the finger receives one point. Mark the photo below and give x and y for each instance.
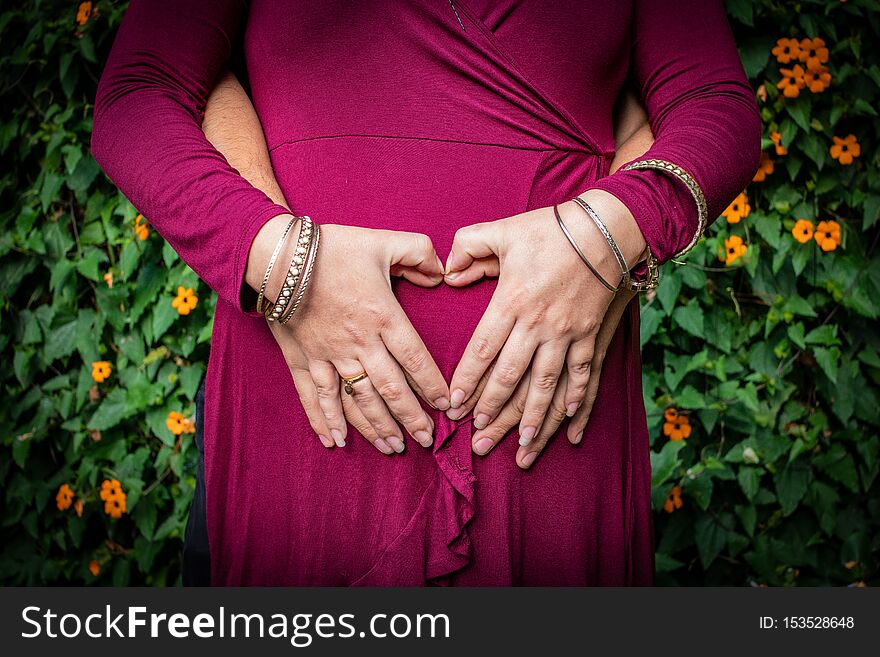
(371, 403)
(472, 242)
(509, 368)
(416, 277)
(390, 383)
(526, 454)
(413, 250)
(409, 350)
(326, 381)
(488, 339)
(603, 340)
(577, 363)
(362, 425)
(484, 440)
(479, 268)
(308, 395)
(468, 404)
(544, 381)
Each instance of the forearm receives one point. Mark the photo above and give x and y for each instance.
(232, 126)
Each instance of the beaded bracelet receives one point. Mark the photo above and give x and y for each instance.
(275, 253)
(294, 270)
(307, 276)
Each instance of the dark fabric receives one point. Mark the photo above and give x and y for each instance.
(196, 557)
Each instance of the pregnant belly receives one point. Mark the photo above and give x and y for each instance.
(417, 185)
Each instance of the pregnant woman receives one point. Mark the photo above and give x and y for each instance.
(459, 304)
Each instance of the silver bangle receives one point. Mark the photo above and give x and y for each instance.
(580, 253)
(624, 268)
(262, 292)
(294, 270)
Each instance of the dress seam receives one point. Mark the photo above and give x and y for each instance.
(289, 142)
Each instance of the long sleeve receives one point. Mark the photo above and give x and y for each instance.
(147, 137)
(702, 112)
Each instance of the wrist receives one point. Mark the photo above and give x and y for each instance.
(621, 224)
(262, 248)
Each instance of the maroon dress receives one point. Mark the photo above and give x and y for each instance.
(424, 115)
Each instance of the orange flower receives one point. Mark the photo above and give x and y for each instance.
(844, 150)
(813, 53)
(761, 93)
(94, 568)
(185, 301)
(83, 13)
(64, 498)
(803, 230)
(776, 138)
(673, 500)
(819, 80)
(792, 81)
(678, 427)
(828, 235)
(787, 50)
(189, 425)
(108, 278)
(109, 488)
(100, 370)
(670, 414)
(738, 209)
(764, 169)
(114, 498)
(734, 249)
(176, 423)
(140, 227)
(78, 507)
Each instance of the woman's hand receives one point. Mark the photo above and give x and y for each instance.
(542, 321)
(350, 322)
(485, 439)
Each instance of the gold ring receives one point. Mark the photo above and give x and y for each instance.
(351, 380)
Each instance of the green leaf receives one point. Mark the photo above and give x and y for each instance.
(111, 411)
(710, 538)
(791, 486)
(838, 464)
(690, 317)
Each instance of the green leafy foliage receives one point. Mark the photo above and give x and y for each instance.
(774, 359)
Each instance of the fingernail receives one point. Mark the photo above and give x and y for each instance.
(338, 438)
(482, 421)
(526, 435)
(396, 443)
(454, 275)
(457, 398)
(455, 413)
(577, 438)
(441, 404)
(528, 459)
(571, 409)
(483, 445)
(424, 438)
(325, 440)
(383, 447)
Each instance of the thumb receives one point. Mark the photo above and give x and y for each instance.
(471, 243)
(413, 251)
